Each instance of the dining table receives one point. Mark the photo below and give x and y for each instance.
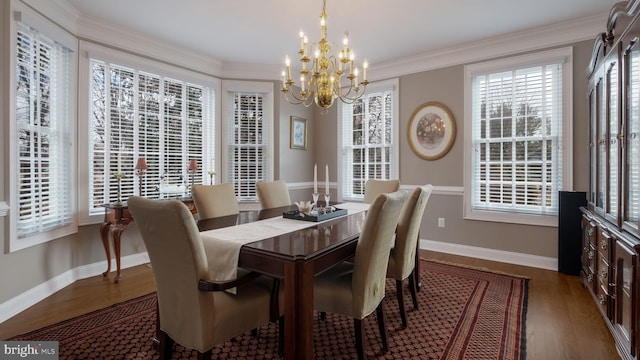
(295, 257)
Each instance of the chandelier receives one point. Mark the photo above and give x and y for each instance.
(321, 80)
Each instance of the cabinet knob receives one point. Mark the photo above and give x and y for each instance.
(590, 232)
(590, 278)
(602, 300)
(590, 255)
(603, 273)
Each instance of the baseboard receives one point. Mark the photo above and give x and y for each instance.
(40, 292)
(509, 257)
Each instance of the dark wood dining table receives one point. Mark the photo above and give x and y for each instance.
(296, 257)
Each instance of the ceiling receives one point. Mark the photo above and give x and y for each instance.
(264, 31)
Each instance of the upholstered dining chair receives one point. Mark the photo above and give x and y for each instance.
(402, 260)
(213, 201)
(374, 187)
(357, 288)
(192, 310)
(273, 194)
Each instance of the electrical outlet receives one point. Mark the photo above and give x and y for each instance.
(441, 222)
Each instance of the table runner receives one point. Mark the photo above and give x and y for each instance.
(222, 246)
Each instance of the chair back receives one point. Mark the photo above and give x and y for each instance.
(178, 261)
(374, 187)
(273, 194)
(403, 255)
(215, 200)
(372, 253)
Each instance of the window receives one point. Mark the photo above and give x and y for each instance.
(248, 136)
(368, 139)
(42, 134)
(134, 114)
(518, 137)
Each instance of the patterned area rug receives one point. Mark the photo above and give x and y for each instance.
(464, 314)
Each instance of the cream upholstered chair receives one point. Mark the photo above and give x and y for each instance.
(215, 200)
(402, 260)
(357, 289)
(193, 311)
(374, 187)
(273, 194)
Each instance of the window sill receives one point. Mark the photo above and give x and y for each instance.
(512, 218)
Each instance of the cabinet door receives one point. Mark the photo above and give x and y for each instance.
(601, 128)
(624, 289)
(613, 145)
(631, 215)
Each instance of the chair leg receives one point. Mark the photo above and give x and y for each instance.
(165, 347)
(400, 296)
(383, 327)
(322, 316)
(254, 332)
(361, 341)
(413, 288)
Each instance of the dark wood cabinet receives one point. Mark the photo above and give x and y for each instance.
(610, 221)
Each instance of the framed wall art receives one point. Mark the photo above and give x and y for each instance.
(431, 131)
(298, 133)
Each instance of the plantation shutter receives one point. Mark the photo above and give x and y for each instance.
(247, 144)
(44, 134)
(367, 142)
(517, 139)
(166, 121)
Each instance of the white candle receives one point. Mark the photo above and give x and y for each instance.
(326, 185)
(315, 178)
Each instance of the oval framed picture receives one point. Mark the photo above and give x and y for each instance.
(432, 130)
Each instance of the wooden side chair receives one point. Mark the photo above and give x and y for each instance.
(213, 201)
(194, 311)
(357, 289)
(273, 194)
(403, 257)
(374, 187)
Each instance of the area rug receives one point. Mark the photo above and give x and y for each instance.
(464, 314)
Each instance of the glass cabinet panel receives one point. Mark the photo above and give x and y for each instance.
(612, 143)
(601, 124)
(593, 146)
(632, 165)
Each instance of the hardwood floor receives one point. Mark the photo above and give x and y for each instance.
(563, 321)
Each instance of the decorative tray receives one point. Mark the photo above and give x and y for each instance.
(298, 215)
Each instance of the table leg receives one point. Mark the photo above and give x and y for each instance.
(117, 235)
(104, 233)
(298, 305)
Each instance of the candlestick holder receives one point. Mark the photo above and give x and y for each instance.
(315, 197)
(211, 173)
(118, 176)
(327, 200)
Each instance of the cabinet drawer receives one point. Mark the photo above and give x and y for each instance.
(592, 256)
(602, 296)
(604, 243)
(603, 270)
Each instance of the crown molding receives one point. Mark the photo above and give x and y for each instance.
(514, 43)
(99, 32)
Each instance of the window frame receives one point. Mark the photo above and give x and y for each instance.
(394, 172)
(564, 55)
(25, 15)
(90, 51)
(230, 87)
